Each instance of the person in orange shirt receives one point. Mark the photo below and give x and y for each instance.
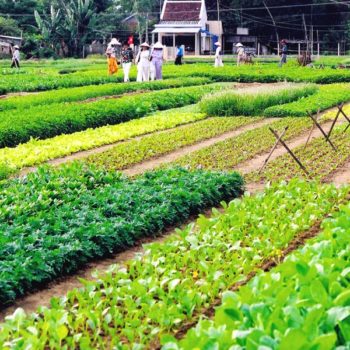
(111, 54)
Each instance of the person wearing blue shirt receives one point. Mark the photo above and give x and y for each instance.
(179, 55)
(284, 53)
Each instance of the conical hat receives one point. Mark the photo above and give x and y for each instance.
(144, 44)
(218, 43)
(158, 45)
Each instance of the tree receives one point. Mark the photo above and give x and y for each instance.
(9, 27)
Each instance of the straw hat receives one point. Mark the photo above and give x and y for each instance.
(218, 43)
(115, 41)
(158, 45)
(144, 45)
(239, 45)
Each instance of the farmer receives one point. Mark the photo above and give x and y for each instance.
(179, 55)
(157, 59)
(284, 52)
(111, 54)
(127, 57)
(240, 53)
(15, 57)
(143, 63)
(218, 55)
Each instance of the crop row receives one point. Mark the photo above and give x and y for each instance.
(36, 152)
(301, 304)
(268, 73)
(48, 79)
(231, 103)
(327, 96)
(41, 80)
(131, 306)
(55, 221)
(93, 91)
(56, 119)
(225, 155)
(134, 151)
(318, 158)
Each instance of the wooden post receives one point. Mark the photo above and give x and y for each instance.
(174, 50)
(258, 49)
(335, 120)
(290, 152)
(299, 51)
(338, 49)
(318, 50)
(273, 149)
(322, 131)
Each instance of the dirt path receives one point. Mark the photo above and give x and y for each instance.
(341, 175)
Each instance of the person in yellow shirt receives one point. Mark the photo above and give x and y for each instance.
(111, 54)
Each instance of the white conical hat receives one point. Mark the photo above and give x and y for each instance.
(239, 45)
(158, 45)
(115, 41)
(218, 43)
(144, 44)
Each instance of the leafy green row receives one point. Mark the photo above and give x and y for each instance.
(230, 103)
(56, 119)
(327, 96)
(39, 151)
(134, 151)
(229, 153)
(319, 159)
(48, 78)
(54, 222)
(41, 80)
(302, 304)
(133, 305)
(264, 73)
(93, 91)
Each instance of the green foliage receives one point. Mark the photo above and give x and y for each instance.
(231, 103)
(55, 221)
(38, 151)
(9, 27)
(55, 119)
(92, 91)
(318, 158)
(128, 153)
(163, 289)
(327, 96)
(227, 154)
(301, 304)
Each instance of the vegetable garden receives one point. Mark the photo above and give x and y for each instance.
(230, 254)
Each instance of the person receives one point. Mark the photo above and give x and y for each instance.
(284, 52)
(179, 55)
(143, 63)
(218, 55)
(152, 68)
(240, 53)
(111, 54)
(127, 56)
(15, 57)
(157, 59)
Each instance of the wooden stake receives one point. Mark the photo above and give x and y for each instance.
(311, 131)
(322, 131)
(335, 120)
(345, 116)
(273, 149)
(289, 151)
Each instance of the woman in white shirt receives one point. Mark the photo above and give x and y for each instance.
(15, 58)
(218, 55)
(240, 54)
(143, 63)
